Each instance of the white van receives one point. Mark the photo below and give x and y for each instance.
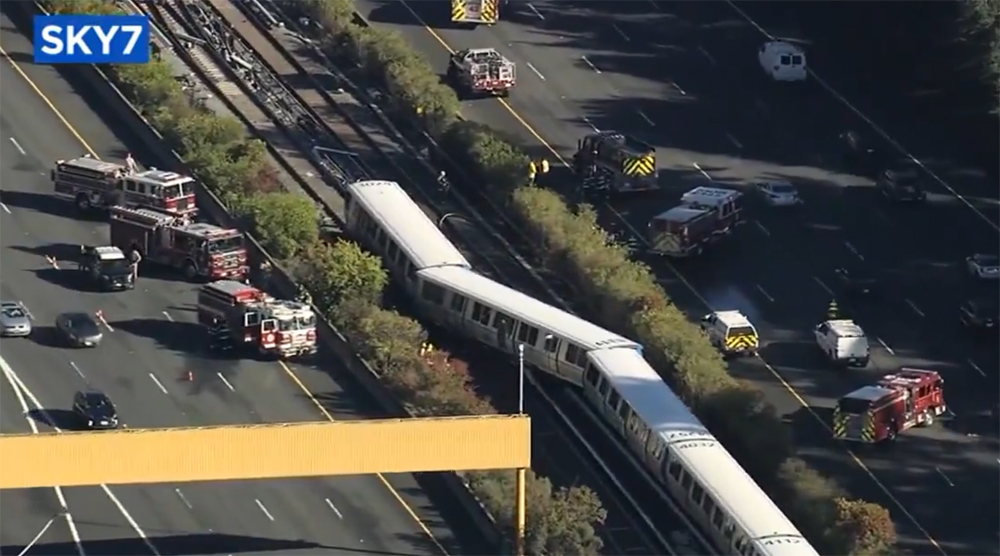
(783, 61)
(843, 342)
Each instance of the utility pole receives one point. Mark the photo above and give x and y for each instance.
(521, 510)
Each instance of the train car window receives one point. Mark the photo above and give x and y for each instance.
(697, 494)
(499, 317)
(613, 399)
(393, 251)
(581, 358)
(740, 544)
(708, 506)
(433, 292)
(411, 271)
(686, 479)
(532, 336)
(624, 410)
(729, 530)
(371, 227)
(481, 313)
(380, 237)
(602, 388)
(591, 375)
(457, 303)
(718, 518)
(551, 344)
(571, 351)
(674, 469)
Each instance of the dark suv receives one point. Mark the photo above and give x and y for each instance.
(95, 409)
(902, 183)
(980, 314)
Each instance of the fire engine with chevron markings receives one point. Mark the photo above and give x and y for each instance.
(879, 412)
(476, 12)
(613, 162)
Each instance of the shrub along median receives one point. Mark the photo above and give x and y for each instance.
(622, 292)
(347, 285)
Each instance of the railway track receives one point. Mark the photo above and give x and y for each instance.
(241, 38)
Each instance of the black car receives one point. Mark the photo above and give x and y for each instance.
(980, 314)
(901, 183)
(78, 329)
(106, 268)
(861, 156)
(95, 409)
(854, 283)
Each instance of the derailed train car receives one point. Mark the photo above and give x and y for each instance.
(677, 452)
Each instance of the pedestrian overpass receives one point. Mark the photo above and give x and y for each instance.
(269, 451)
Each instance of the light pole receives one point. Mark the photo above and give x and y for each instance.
(42, 532)
(521, 473)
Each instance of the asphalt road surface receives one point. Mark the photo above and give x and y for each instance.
(151, 341)
(684, 77)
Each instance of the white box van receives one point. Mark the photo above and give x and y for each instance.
(843, 342)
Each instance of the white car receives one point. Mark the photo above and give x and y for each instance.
(783, 61)
(778, 193)
(984, 267)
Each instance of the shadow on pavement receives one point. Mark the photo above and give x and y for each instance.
(58, 418)
(178, 545)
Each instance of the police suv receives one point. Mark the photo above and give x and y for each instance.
(843, 342)
(106, 268)
(731, 332)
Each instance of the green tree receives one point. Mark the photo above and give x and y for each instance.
(284, 221)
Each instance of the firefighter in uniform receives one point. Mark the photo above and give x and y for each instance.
(134, 258)
(544, 166)
(219, 338)
(532, 170)
(264, 273)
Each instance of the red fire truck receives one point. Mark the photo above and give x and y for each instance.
(706, 215)
(96, 184)
(198, 249)
(899, 401)
(267, 326)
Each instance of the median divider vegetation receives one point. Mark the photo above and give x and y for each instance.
(347, 285)
(618, 293)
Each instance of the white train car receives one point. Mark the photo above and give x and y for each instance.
(476, 307)
(677, 451)
(686, 459)
(387, 222)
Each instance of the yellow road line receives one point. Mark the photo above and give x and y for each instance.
(791, 390)
(291, 374)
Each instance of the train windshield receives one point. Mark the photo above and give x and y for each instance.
(303, 322)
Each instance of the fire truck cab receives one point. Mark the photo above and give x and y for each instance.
(616, 163)
(899, 401)
(257, 321)
(94, 184)
(198, 249)
(725, 204)
(476, 12)
(481, 72)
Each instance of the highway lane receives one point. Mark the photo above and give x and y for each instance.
(26, 512)
(153, 333)
(738, 127)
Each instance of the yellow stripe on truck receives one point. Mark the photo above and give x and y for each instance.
(457, 10)
(639, 165)
(741, 342)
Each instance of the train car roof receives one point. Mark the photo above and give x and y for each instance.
(406, 223)
(732, 488)
(652, 400)
(524, 308)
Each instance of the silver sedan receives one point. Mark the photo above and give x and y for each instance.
(15, 320)
(778, 193)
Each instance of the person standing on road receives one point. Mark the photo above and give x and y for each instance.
(134, 258)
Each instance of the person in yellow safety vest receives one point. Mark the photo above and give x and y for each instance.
(833, 312)
(426, 349)
(531, 171)
(544, 166)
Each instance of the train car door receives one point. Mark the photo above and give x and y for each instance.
(552, 347)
